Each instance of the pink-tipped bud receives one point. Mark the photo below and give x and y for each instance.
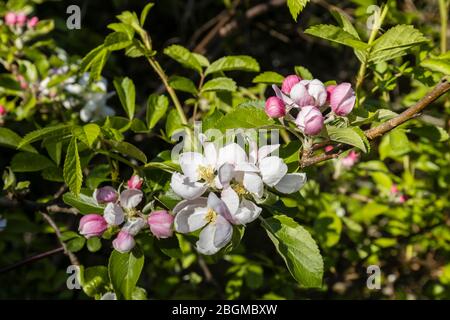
(32, 22)
(160, 223)
(329, 148)
(275, 107)
(310, 120)
(402, 198)
(350, 160)
(10, 19)
(21, 19)
(394, 189)
(2, 111)
(106, 195)
(124, 242)
(342, 99)
(92, 225)
(330, 90)
(289, 82)
(135, 182)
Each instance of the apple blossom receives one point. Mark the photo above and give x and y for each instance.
(275, 107)
(209, 214)
(21, 19)
(289, 82)
(342, 99)
(105, 194)
(10, 19)
(92, 225)
(31, 23)
(124, 242)
(114, 214)
(309, 93)
(135, 182)
(160, 223)
(310, 120)
(350, 160)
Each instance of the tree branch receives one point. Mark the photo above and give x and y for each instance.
(32, 259)
(440, 89)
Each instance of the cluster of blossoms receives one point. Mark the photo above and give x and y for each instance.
(221, 187)
(310, 98)
(17, 21)
(397, 195)
(121, 211)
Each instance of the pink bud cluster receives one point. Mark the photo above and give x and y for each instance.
(309, 97)
(3, 111)
(20, 19)
(398, 196)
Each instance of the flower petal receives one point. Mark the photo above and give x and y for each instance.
(134, 225)
(231, 153)
(291, 183)
(184, 210)
(246, 167)
(130, 198)
(218, 205)
(186, 188)
(197, 219)
(253, 183)
(247, 212)
(231, 199)
(264, 151)
(189, 163)
(113, 214)
(226, 174)
(210, 154)
(214, 236)
(224, 232)
(272, 170)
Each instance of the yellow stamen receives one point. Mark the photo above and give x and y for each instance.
(211, 216)
(206, 174)
(240, 189)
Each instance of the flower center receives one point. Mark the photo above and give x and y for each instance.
(206, 174)
(131, 212)
(211, 216)
(240, 189)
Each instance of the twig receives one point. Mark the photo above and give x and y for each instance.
(32, 259)
(440, 89)
(72, 257)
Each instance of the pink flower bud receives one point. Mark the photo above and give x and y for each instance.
(160, 223)
(106, 195)
(342, 99)
(330, 90)
(329, 148)
(135, 182)
(124, 242)
(275, 107)
(2, 110)
(32, 22)
(10, 19)
(350, 160)
(299, 93)
(21, 19)
(402, 199)
(394, 189)
(289, 82)
(92, 225)
(310, 120)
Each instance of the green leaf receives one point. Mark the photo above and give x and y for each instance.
(230, 63)
(204, 62)
(76, 244)
(29, 162)
(394, 144)
(244, 116)
(127, 95)
(73, 176)
(145, 12)
(139, 294)
(352, 136)
(91, 57)
(439, 64)
(117, 41)
(173, 123)
(128, 149)
(48, 132)
(184, 57)
(156, 109)
(91, 132)
(269, 77)
(328, 227)
(122, 28)
(10, 139)
(94, 244)
(336, 34)
(296, 6)
(183, 84)
(85, 204)
(95, 280)
(124, 271)
(303, 72)
(220, 84)
(297, 248)
(395, 43)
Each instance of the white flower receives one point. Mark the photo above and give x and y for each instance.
(109, 296)
(96, 108)
(134, 225)
(114, 213)
(211, 214)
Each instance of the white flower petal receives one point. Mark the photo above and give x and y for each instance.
(253, 183)
(184, 210)
(264, 151)
(226, 174)
(190, 162)
(214, 236)
(210, 154)
(130, 198)
(291, 183)
(186, 188)
(218, 205)
(113, 214)
(231, 199)
(247, 212)
(246, 167)
(134, 225)
(272, 170)
(197, 219)
(231, 153)
(224, 232)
